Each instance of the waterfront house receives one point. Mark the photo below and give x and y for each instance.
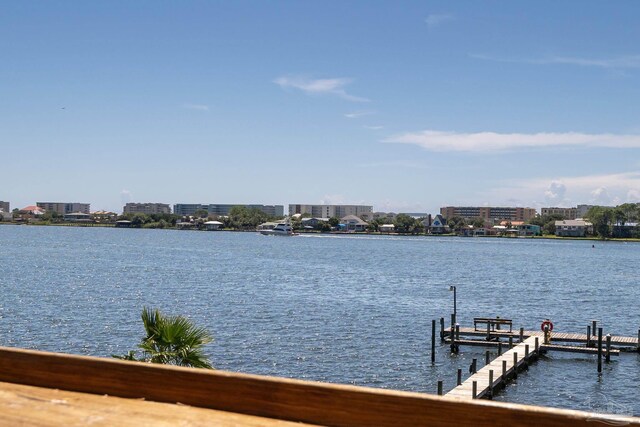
(77, 217)
(353, 223)
(386, 228)
(312, 223)
(572, 228)
(123, 223)
(438, 225)
(529, 230)
(213, 225)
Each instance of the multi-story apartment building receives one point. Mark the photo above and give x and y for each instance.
(566, 213)
(328, 211)
(64, 208)
(489, 213)
(223, 210)
(5, 206)
(146, 208)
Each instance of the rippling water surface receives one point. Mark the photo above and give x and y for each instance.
(345, 309)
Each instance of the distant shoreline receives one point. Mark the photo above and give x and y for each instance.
(338, 233)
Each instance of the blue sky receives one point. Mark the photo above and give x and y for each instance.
(407, 106)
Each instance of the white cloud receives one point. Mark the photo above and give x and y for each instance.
(435, 19)
(491, 141)
(373, 127)
(358, 114)
(605, 189)
(197, 107)
(334, 86)
(624, 61)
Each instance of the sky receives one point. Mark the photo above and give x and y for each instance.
(404, 105)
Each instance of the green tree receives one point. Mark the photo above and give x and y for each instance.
(171, 340)
(477, 222)
(602, 218)
(404, 223)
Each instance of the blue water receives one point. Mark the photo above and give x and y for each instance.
(344, 309)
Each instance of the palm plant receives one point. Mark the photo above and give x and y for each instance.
(171, 340)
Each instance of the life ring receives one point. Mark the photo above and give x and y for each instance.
(545, 323)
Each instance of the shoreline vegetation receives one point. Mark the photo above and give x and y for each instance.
(337, 233)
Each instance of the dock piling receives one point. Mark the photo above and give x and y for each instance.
(488, 331)
(442, 329)
(474, 366)
(608, 354)
(588, 335)
(452, 334)
(510, 341)
(521, 334)
(599, 350)
(515, 364)
(537, 345)
(433, 341)
(526, 352)
(459, 376)
(457, 332)
(593, 327)
(474, 393)
(440, 388)
(490, 383)
(504, 371)
(487, 357)
(499, 349)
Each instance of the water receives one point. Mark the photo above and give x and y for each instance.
(344, 309)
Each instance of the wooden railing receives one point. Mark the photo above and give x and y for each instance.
(276, 398)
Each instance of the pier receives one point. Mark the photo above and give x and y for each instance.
(518, 349)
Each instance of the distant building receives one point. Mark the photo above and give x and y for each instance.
(77, 217)
(529, 230)
(5, 207)
(147, 208)
(438, 225)
(566, 213)
(489, 213)
(572, 228)
(328, 211)
(224, 209)
(63, 208)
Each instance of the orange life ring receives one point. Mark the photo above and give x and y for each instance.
(545, 323)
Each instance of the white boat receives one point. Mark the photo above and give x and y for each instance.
(281, 229)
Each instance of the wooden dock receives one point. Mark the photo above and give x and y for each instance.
(496, 373)
(617, 341)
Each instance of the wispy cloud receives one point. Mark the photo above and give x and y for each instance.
(435, 19)
(618, 62)
(491, 141)
(377, 127)
(309, 86)
(197, 107)
(358, 114)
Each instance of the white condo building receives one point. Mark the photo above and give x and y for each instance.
(328, 211)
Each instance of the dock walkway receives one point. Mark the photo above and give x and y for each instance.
(496, 373)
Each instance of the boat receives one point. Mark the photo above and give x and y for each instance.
(280, 229)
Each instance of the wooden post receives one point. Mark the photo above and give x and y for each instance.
(488, 331)
(442, 329)
(459, 376)
(588, 335)
(474, 366)
(457, 332)
(510, 341)
(499, 349)
(491, 383)
(440, 388)
(608, 356)
(526, 352)
(487, 358)
(474, 389)
(504, 371)
(433, 341)
(452, 334)
(599, 350)
(593, 327)
(515, 364)
(537, 346)
(521, 334)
